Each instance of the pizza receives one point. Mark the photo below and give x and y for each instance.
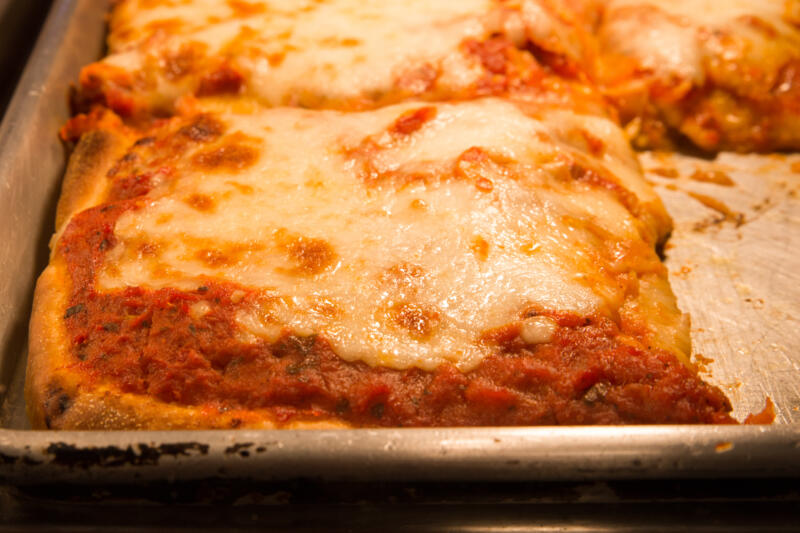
(720, 75)
(480, 262)
(346, 54)
(723, 75)
(341, 214)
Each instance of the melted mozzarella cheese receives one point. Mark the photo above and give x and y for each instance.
(136, 21)
(370, 238)
(321, 52)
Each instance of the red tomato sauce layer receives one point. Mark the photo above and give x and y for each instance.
(149, 342)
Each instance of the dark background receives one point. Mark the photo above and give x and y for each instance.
(730, 506)
(20, 22)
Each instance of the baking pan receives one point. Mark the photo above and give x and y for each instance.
(739, 335)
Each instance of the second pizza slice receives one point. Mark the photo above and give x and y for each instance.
(342, 54)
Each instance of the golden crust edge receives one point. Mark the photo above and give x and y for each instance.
(82, 186)
(85, 181)
(43, 346)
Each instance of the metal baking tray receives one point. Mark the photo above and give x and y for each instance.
(741, 282)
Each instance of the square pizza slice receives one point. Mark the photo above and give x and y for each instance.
(486, 262)
(340, 54)
(724, 75)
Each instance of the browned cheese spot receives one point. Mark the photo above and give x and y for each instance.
(403, 277)
(182, 62)
(226, 254)
(201, 202)
(224, 79)
(480, 247)
(213, 258)
(418, 321)
(325, 308)
(311, 256)
(203, 128)
(228, 157)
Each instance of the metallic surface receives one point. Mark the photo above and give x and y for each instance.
(735, 268)
(494, 454)
(707, 264)
(30, 158)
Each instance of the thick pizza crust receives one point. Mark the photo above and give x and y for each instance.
(83, 181)
(105, 140)
(83, 186)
